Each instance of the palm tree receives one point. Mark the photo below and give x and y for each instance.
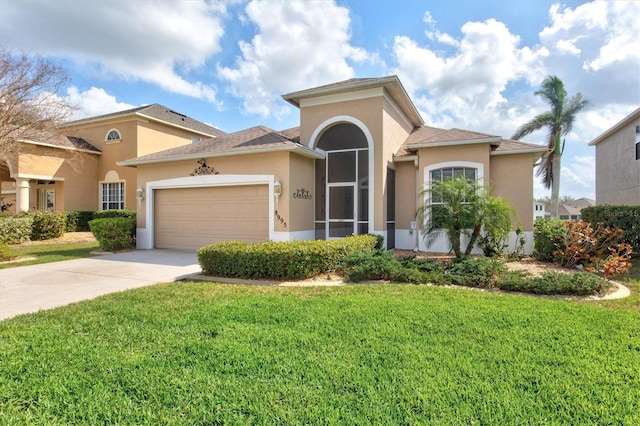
(460, 207)
(559, 122)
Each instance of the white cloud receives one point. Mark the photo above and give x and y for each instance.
(465, 87)
(578, 176)
(299, 45)
(94, 101)
(160, 43)
(605, 34)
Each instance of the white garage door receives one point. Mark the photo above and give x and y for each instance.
(190, 218)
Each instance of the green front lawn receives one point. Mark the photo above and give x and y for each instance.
(202, 353)
(46, 252)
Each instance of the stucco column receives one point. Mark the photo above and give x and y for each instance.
(22, 195)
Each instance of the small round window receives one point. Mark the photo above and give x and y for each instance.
(113, 135)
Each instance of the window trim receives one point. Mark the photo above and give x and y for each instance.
(479, 167)
(113, 140)
(101, 202)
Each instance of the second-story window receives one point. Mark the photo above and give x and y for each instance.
(113, 135)
(638, 142)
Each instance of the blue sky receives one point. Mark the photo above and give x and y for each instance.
(467, 64)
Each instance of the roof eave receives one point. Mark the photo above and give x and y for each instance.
(291, 147)
(417, 146)
(157, 120)
(520, 151)
(404, 158)
(132, 114)
(50, 145)
(625, 121)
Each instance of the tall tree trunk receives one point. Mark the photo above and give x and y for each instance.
(555, 185)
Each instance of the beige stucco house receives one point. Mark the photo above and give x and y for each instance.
(80, 171)
(358, 163)
(618, 163)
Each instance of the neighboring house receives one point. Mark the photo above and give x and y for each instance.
(538, 210)
(618, 163)
(566, 211)
(358, 163)
(79, 172)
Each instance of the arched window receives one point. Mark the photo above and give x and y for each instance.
(443, 172)
(113, 135)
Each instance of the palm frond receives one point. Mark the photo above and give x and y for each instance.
(540, 121)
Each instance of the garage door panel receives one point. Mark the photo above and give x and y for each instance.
(190, 218)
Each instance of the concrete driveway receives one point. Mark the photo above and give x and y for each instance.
(27, 289)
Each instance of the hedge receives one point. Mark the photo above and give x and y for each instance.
(105, 214)
(548, 236)
(15, 230)
(78, 221)
(280, 260)
(48, 225)
(624, 217)
(114, 233)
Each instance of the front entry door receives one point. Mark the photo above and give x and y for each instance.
(342, 208)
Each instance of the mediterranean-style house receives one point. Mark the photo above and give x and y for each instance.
(618, 163)
(358, 163)
(79, 172)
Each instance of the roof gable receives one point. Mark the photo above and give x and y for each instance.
(158, 113)
(391, 85)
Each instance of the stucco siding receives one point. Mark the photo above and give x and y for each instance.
(275, 164)
(154, 137)
(511, 178)
(617, 170)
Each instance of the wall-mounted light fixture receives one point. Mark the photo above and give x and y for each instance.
(139, 194)
(277, 188)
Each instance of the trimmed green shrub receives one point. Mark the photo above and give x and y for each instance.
(383, 265)
(115, 233)
(551, 282)
(474, 271)
(48, 225)
(624, 217)
(6, 253)
(78, 221)
(279, 260)
(548, 236)
(372, 265)
(15, 229)
(105, 214)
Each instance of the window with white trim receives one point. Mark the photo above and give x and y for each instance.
(112, 195)
(437, 176)
(113, 135)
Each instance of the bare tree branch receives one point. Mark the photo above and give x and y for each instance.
(30, 108)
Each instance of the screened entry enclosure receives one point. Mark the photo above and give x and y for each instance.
(342, 183)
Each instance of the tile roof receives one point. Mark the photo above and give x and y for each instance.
(508, 145)
(63, 142)
(243, 140)
(425, 136)
(160, 113)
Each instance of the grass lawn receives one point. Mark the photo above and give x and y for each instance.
(46, 252)
(202, 353)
